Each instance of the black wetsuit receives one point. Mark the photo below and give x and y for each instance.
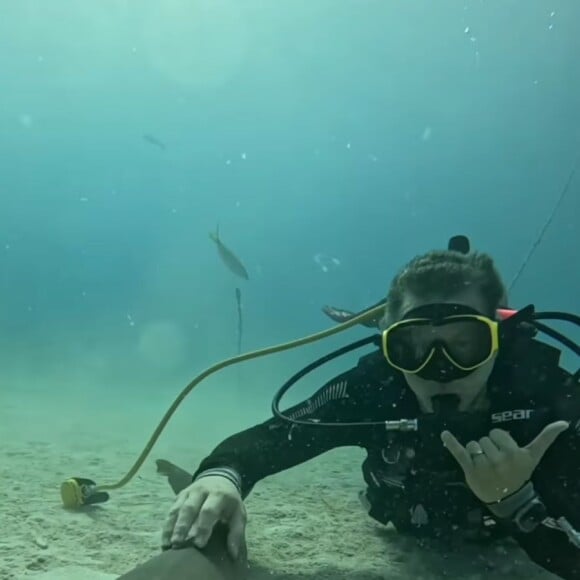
(412, 480)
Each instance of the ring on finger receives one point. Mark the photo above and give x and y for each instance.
(475, 450)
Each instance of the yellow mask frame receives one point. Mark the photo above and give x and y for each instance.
(492, 325)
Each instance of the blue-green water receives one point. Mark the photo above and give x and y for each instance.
(332, 140)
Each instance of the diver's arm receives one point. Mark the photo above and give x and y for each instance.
(555, 542)
(273, 446)
(550, 546)
(555, 490)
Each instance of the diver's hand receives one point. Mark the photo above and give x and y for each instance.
(496, 466)
(199, 507)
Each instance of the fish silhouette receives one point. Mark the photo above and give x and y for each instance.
(240, 320)
(232, 262)
(154, 141)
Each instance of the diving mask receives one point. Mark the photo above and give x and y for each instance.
(441, 342)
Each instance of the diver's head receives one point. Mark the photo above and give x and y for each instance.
(440, 327)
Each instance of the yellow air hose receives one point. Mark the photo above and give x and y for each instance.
(76, 492)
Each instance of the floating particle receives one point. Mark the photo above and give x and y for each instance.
(325, 262)
(25, 120)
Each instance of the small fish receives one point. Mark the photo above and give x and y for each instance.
(342, 315)
(240, 320)
(154, 141)
(228, 257)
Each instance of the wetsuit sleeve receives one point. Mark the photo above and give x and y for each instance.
(275, 445)
(555, 544)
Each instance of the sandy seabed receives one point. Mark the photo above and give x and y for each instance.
(304, 524)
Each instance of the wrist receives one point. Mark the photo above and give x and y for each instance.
(523, 509)
(506, 507)
(227, 472)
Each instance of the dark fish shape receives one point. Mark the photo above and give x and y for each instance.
(341, 315)
(458, 243)
(178, 478)
(154, 141)
(228, 257)
(240, 319)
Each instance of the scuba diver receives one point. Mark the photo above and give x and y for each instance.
(469, 422)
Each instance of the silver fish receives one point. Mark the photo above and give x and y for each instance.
(228, 257)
